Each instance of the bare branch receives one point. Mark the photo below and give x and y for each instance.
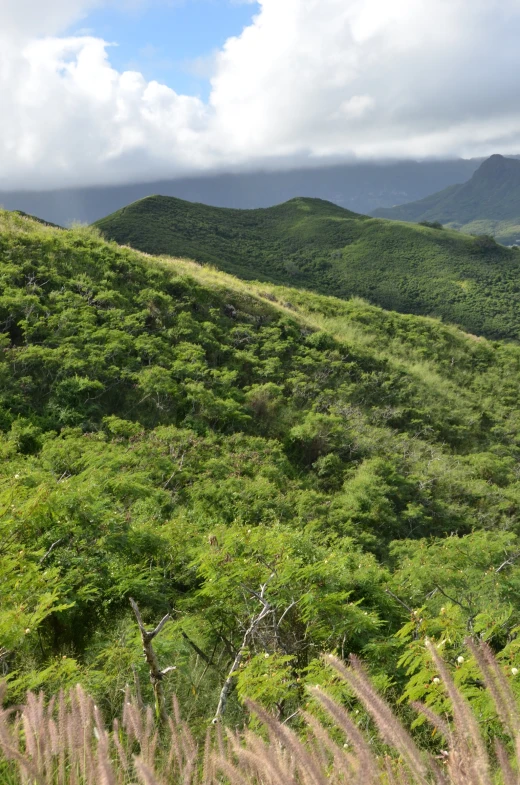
(397, 599)
(159, 627)
(138, 616)
(148, 634)
(291, 716)
(54, 544)
(198, 650)
(177, 469)
(156, 674)
(508, 562)
(286, 611)
(455, 601)
(229, 683)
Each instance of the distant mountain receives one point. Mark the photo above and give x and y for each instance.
(316, 245)
(358, 187)
(488, 203)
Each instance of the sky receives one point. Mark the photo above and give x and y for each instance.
(114, 91)
(171, 42)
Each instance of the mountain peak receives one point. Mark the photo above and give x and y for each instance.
(487, 203)
(498, 163)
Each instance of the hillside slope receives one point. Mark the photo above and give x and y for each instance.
(488, 202)
(319, 246)
(171, 433)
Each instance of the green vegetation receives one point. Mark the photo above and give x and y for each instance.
(489, 203)
(347, 730)
(505, 232)
(318, 246)
(176, 435)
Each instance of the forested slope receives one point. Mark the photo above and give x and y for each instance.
(176, 435)
(321, 247)
(488, 203)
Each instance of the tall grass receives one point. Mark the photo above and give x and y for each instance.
(65, 742)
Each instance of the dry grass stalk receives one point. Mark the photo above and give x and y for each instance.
(66, 742)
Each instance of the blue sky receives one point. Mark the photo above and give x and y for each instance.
(171, 41)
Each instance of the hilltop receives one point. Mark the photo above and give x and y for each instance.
(174, 434)
(316, 245)
(488, 203)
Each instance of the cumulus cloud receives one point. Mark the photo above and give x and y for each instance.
(308, 80)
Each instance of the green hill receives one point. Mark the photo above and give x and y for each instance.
(489, 203)
(174, 434)
(321, 247)
(22, 214)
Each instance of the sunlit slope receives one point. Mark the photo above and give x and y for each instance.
(312, 244)
(169, 432)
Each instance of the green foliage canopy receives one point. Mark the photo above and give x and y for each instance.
(174, 435)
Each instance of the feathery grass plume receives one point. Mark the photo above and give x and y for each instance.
(343, 761)
(497, 685)
(208, 772)
(145, 774)
(468, 760)
(438, 722)
(367, 762)
(232, 772)
(508, 775)
(122, 757)
(388, 724)
(308, 768)
(62, 714)
(66, 742)
(321, 746)
(133, 721)
(184, 754)
(260, 758)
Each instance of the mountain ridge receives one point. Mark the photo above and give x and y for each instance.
(319, 246)
(491, 195)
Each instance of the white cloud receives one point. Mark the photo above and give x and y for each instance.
(307, 79)
(23, 19)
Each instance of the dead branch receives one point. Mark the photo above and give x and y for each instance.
(156, 674)
(54, 545)
(255, 621)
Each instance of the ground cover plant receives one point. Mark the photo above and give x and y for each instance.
(216, 449)
(318, 246)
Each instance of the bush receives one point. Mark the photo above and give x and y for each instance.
(431, 224)
(485, 242)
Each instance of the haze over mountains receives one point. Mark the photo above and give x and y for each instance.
(360, 187)
(488, 202)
